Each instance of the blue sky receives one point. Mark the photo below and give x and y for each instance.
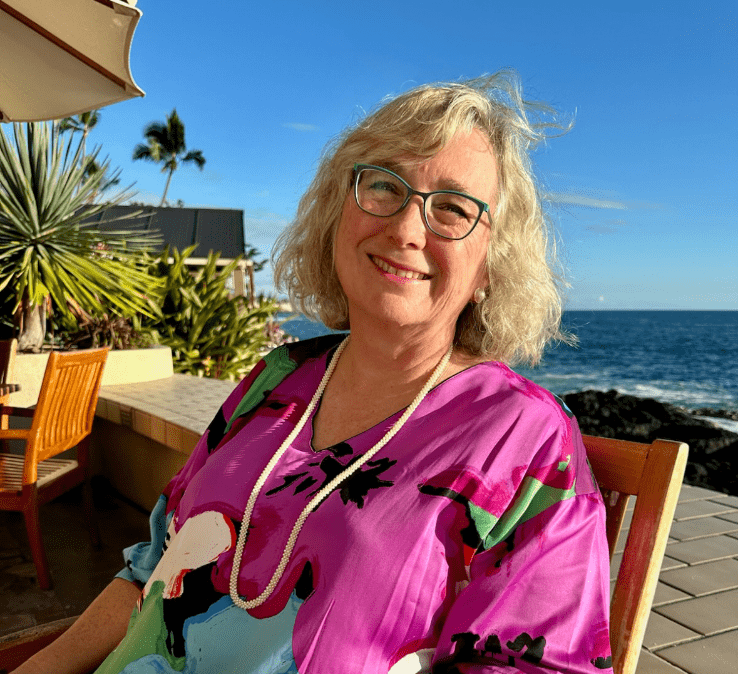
(644, 187)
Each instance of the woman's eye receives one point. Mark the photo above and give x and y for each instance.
(382, 186)
(453, 209)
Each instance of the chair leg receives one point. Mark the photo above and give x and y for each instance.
(33, 528)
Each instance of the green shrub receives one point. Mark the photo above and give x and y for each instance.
(210, 333)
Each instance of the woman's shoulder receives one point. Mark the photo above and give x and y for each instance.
(536, 425)
(506, 387)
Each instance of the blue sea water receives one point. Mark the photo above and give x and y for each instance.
(687, 358)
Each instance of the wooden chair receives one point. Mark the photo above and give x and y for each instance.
(8, 348)
(653, 473)
(62, 419)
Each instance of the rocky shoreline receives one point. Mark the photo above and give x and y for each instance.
(713, 451)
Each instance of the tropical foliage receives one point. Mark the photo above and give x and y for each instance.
(210, 333)
(50, 250)
(165, 145)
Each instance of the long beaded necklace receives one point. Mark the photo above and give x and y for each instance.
(325, 491)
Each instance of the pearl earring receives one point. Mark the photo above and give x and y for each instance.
(479, 296)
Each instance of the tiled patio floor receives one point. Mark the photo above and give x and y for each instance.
(693, 626)
(694, 622)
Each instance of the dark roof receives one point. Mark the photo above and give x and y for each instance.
(217, 229)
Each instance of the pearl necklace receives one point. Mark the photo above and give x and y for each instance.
(325, 491)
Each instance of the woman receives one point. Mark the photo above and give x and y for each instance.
(397, 501)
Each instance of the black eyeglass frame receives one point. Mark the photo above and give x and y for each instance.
(483, 206)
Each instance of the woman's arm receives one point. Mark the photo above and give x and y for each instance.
(92, 637)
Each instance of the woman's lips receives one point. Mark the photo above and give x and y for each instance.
(395, 271)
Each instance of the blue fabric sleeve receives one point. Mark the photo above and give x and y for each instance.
(141, 559)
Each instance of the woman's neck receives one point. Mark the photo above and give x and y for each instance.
(375, 378)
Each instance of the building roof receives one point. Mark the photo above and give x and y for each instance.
(216, 229)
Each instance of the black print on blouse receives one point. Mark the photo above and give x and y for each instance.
(198, 595)
(305, 586)
(490, 653)
(355, 488)
(602, 663)
(510, 543)
(216, 430)
(469, 534)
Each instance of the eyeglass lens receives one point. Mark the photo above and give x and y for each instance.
(447, 213)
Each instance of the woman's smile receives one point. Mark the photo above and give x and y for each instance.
(404, 273)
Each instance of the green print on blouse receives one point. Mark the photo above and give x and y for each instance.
(487, 530)
(533, 498)
(147, 635)
(278, 366)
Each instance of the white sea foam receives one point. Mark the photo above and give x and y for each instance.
(725, 424)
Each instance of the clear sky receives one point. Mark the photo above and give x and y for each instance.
(644, 187)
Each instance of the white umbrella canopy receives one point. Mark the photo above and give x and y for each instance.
(63, 57)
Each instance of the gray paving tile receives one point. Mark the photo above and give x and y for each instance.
(704, 578)
(627, 520)
(707, 615)
(690, 493)
(615, 562)
(714, 655)
(731, 517)
(685, 511)
(701, 528)
(648, 663)
(704, 549)
(662, 632)
(671, 563)
(666, 594)
(724, 499)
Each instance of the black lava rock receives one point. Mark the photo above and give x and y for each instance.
(713, 451)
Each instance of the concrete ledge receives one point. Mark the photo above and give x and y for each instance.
(136, 466)
(144, 432)
(123, 367)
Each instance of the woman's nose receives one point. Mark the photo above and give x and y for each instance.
(407, 228)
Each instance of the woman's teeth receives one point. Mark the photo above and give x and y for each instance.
(402, 273)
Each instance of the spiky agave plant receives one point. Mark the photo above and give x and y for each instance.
(50, 251)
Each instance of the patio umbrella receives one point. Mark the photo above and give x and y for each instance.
(63, 57)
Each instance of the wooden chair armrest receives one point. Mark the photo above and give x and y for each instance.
(16, 648)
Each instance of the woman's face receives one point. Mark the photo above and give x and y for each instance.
(397, 273)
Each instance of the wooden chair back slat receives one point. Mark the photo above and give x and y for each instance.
(653, 473)
(8, 349)
(66, 405)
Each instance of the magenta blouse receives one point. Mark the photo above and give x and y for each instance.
(474, 541)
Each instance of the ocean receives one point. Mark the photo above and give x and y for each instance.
(687, 358)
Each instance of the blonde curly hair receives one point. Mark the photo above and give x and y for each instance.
(522, 310)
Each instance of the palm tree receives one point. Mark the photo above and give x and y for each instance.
(50, 251)
(82, 123)
(166, 145)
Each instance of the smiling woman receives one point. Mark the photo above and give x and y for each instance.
(398, 501)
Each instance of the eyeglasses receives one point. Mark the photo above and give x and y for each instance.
(447, 213)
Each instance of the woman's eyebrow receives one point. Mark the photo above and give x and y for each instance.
(444, 184)
(451, 184)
